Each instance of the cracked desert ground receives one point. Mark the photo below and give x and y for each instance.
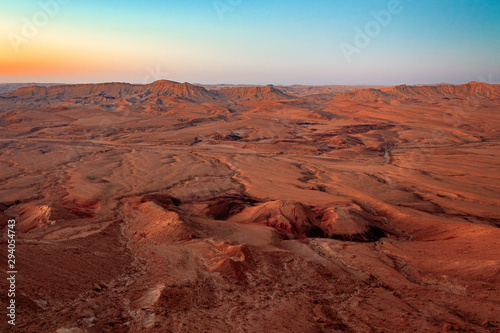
(174, 207)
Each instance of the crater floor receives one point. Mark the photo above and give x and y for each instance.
(308, 213)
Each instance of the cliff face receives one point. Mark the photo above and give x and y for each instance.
(251, 94)
(96, 93)
(159, 88)
(111, 90)
(183, 90)
(424, 93)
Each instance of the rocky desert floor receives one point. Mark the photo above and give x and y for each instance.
(169, 207)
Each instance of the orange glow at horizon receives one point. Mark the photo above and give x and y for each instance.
(58, 62)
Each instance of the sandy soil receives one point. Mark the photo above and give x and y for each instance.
(171, 208)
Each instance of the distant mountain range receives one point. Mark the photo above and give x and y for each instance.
(135, 93)
(424, 93)
(8, 87)
(126, 93)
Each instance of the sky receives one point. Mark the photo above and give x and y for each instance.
(312, 42)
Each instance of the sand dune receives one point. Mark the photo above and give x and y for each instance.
(171, 207)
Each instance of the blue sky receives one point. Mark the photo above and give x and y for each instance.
(252, 41)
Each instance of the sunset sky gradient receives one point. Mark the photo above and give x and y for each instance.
(249, 41)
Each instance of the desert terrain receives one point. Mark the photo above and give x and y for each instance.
(172, 207)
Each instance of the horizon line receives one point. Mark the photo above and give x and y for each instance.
(247, 84)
